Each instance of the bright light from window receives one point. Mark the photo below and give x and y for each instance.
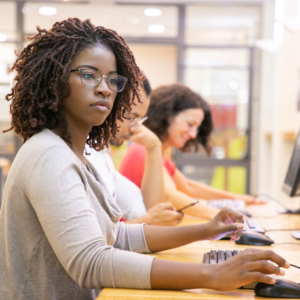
(49, 11)
(3, 37)
(156, 28)
(233, 85)
(152, 12)
(25, 10)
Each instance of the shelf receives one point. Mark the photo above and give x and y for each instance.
(286, 136)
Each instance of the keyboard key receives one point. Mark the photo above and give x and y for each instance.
(228, 254)
(251, 223)
(206, 258)
(213, 257)
(221, 256)
(235, 252)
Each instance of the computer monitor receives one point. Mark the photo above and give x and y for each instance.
(291, 185)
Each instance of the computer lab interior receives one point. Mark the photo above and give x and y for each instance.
(243, 58)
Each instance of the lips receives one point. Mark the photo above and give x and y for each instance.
(101, 105)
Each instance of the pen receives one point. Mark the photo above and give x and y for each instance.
(193, 203)
(142, 120)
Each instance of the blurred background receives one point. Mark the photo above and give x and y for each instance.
(242, 56)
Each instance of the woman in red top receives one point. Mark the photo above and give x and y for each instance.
(181, 119)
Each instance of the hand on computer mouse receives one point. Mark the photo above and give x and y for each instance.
(226, 221)
(248, 266)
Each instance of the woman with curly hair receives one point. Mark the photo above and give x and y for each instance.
(60, 235)
(181, 119)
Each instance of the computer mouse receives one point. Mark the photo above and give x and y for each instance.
(283, 288)
(254, 238)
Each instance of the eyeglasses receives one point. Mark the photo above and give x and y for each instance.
(93, 78)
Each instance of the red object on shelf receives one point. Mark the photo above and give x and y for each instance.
(224, 115)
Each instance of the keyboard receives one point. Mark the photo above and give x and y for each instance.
(217, 257)
(233, 204)
(250, 224)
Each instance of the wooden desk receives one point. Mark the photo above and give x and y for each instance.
(194, 253)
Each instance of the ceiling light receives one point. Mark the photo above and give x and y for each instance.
(152, 12)
(3, 37)
(49, 11)
(25, 10)
(233, 85)
(156, 28)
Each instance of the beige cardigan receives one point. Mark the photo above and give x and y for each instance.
(60, 235)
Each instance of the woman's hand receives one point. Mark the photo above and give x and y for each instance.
(163, 214)
(143, 136)
(226, 221)
(248, 266)
(249, 200)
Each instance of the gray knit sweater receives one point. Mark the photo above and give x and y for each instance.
(60, 235)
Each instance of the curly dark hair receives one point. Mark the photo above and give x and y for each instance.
(41, 82)
(168, 101)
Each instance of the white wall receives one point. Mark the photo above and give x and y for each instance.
(280, 84)
(159, 62)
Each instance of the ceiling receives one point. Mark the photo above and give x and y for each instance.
(203, 22)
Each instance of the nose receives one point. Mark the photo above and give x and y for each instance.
(193, 132)
(102, 88)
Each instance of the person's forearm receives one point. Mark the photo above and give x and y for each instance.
(140, 220)
(200, 190)
(178, 275)
(160, 238)
(152, 185)
(180, 199)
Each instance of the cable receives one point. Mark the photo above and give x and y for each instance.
(287, 244)
(283, 229)
(271, 217)
(273, 199)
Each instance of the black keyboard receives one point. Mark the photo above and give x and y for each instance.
(219, 256)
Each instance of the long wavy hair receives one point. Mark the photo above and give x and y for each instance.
(168, 101)
(41, 82)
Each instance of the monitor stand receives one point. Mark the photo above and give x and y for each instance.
(296, 234)
(288, 211)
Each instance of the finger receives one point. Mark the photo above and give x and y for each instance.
(167, 205)
(258, 276)
(175, 215)
(238, 235)
(232, 228)
(234, 236)
(179, 215)
(269, 255)
(265, 267)
(136, 136)
(235, 216)
(135, 128)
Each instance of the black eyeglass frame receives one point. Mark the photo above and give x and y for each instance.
(101, 77)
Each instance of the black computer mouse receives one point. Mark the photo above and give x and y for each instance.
(254, 238)
(283, 288)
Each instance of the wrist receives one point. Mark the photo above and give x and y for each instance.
(208, 278)
(154, 146)
(146, 219)
(204, 231)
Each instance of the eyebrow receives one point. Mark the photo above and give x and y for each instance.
(136, 115)
(94, 68)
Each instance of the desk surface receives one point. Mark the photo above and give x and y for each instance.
(194, 253)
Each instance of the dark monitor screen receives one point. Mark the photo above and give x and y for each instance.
(291, 184)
